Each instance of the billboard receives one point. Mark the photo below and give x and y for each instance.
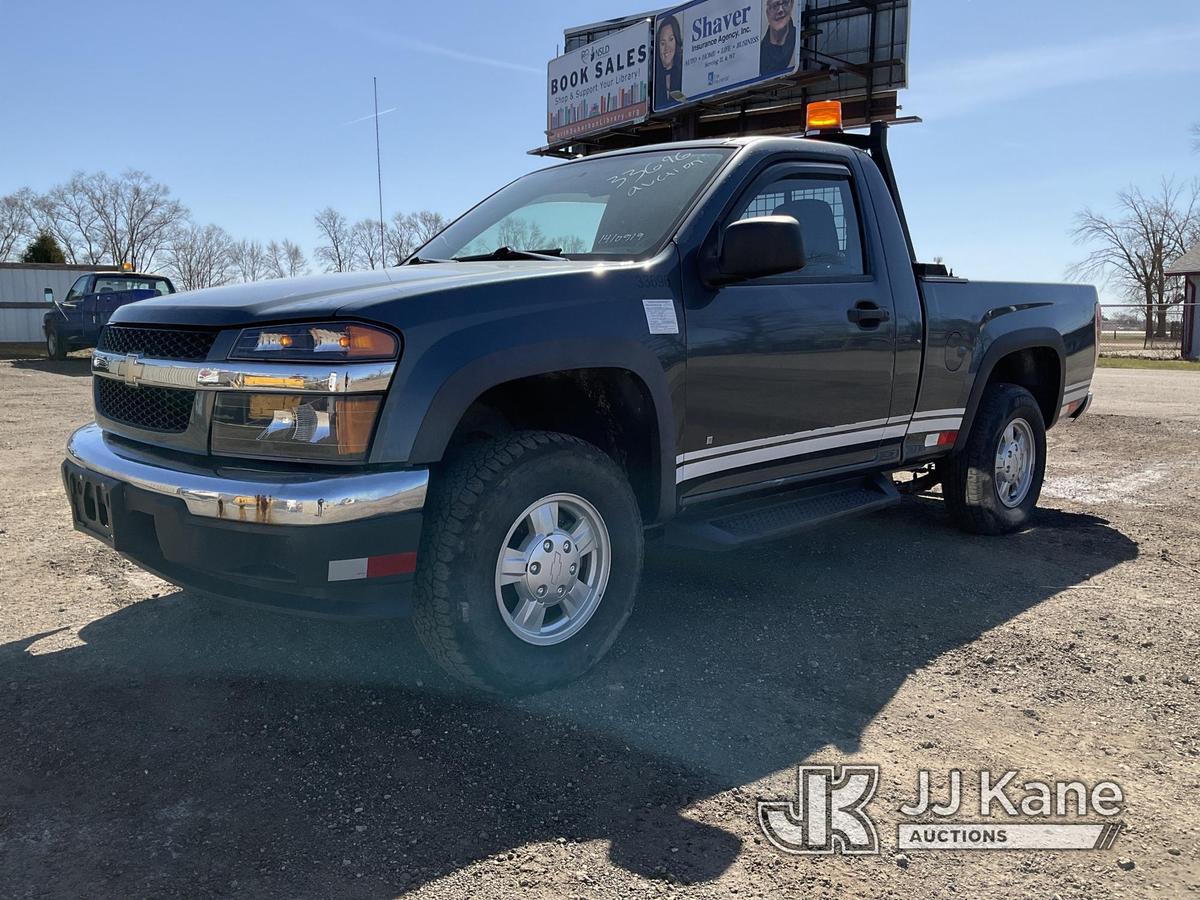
(600, 86)
(710, 47)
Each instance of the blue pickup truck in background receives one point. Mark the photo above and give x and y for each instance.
(76, 321)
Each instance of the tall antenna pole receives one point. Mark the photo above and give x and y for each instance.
(379, 173)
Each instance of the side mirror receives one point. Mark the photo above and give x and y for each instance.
(754, 248)
(48, 295)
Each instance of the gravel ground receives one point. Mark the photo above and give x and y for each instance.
(156, 743)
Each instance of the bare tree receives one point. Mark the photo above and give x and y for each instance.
(285, 260)
(337, 252)
(401, 238)
(365, 250)
(521, 234)
(408, 231)
(569, 243)
(1132, 249)
(66, 213)
(249, 260)
(14, 225)
(427, 224)
(199, 256)
(136, 215)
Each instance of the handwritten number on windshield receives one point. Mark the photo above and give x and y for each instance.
(644, 177)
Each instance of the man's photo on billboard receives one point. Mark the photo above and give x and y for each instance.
(668, 63)
(777, 49)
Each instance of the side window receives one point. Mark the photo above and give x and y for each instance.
(824, 207)
(78, 289)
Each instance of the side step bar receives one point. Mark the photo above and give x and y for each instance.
(774, 516)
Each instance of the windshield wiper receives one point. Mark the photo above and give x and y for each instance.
(426, 260)
(506, 253)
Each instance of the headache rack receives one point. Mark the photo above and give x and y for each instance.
(875, 144)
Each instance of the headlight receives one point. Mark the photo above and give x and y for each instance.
(316, 343)
(295, 426)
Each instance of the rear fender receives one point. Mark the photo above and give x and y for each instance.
(1014, 341)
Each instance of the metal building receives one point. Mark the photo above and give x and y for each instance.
(22, 296)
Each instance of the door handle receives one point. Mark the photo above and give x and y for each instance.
(867, 314)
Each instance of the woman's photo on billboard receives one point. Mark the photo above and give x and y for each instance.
(777, 49)
(668, 63)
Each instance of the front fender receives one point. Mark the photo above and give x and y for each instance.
(437, 393)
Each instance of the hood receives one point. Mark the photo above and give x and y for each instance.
(345, 293)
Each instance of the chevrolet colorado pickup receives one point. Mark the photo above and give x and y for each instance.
(715, 342)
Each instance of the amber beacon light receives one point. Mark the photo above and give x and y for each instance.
(825, 115)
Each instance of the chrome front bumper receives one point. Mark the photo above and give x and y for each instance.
(261, 497)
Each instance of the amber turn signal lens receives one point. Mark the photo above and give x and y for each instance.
(354, 418)
(360, 341)
(825, 115)
(311, 427)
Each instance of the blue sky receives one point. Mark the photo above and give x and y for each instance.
(257, 114)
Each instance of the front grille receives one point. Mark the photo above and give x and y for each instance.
(166, 410)
(157, 343)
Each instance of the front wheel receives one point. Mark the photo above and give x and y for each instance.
(529, 562)
(55, 348)
(992, 486)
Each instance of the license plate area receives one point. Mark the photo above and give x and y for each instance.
(93, 501)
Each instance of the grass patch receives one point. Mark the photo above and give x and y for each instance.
(1178, 365)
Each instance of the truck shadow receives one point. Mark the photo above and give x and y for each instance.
(191, 747)
(79, 366)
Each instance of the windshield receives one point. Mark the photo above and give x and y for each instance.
(619, 207)
(109, 283)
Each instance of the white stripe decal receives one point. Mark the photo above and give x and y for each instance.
(784, 451)
(1075, 395)
(939, 413)
(347, 569)
(778, 439)
(928, 425)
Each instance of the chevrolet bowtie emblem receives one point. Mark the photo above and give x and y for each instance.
(133, 370)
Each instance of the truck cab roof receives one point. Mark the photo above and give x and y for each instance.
(770, 143)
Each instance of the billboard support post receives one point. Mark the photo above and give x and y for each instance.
(683, 127)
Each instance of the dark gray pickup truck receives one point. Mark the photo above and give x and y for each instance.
(711, 342)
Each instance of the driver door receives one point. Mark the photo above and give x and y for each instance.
(791, 375)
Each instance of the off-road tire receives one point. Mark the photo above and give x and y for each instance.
(969, 486)
(473, 502)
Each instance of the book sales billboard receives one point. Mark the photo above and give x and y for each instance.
(600, 86)
(709, 47)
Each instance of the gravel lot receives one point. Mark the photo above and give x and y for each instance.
(156, 743)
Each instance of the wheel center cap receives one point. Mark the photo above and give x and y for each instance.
(552, 569)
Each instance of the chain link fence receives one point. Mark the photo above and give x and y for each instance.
(1123, 333)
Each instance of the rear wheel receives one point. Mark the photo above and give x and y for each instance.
(992, 486)
(55, 348)
(529, 562)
